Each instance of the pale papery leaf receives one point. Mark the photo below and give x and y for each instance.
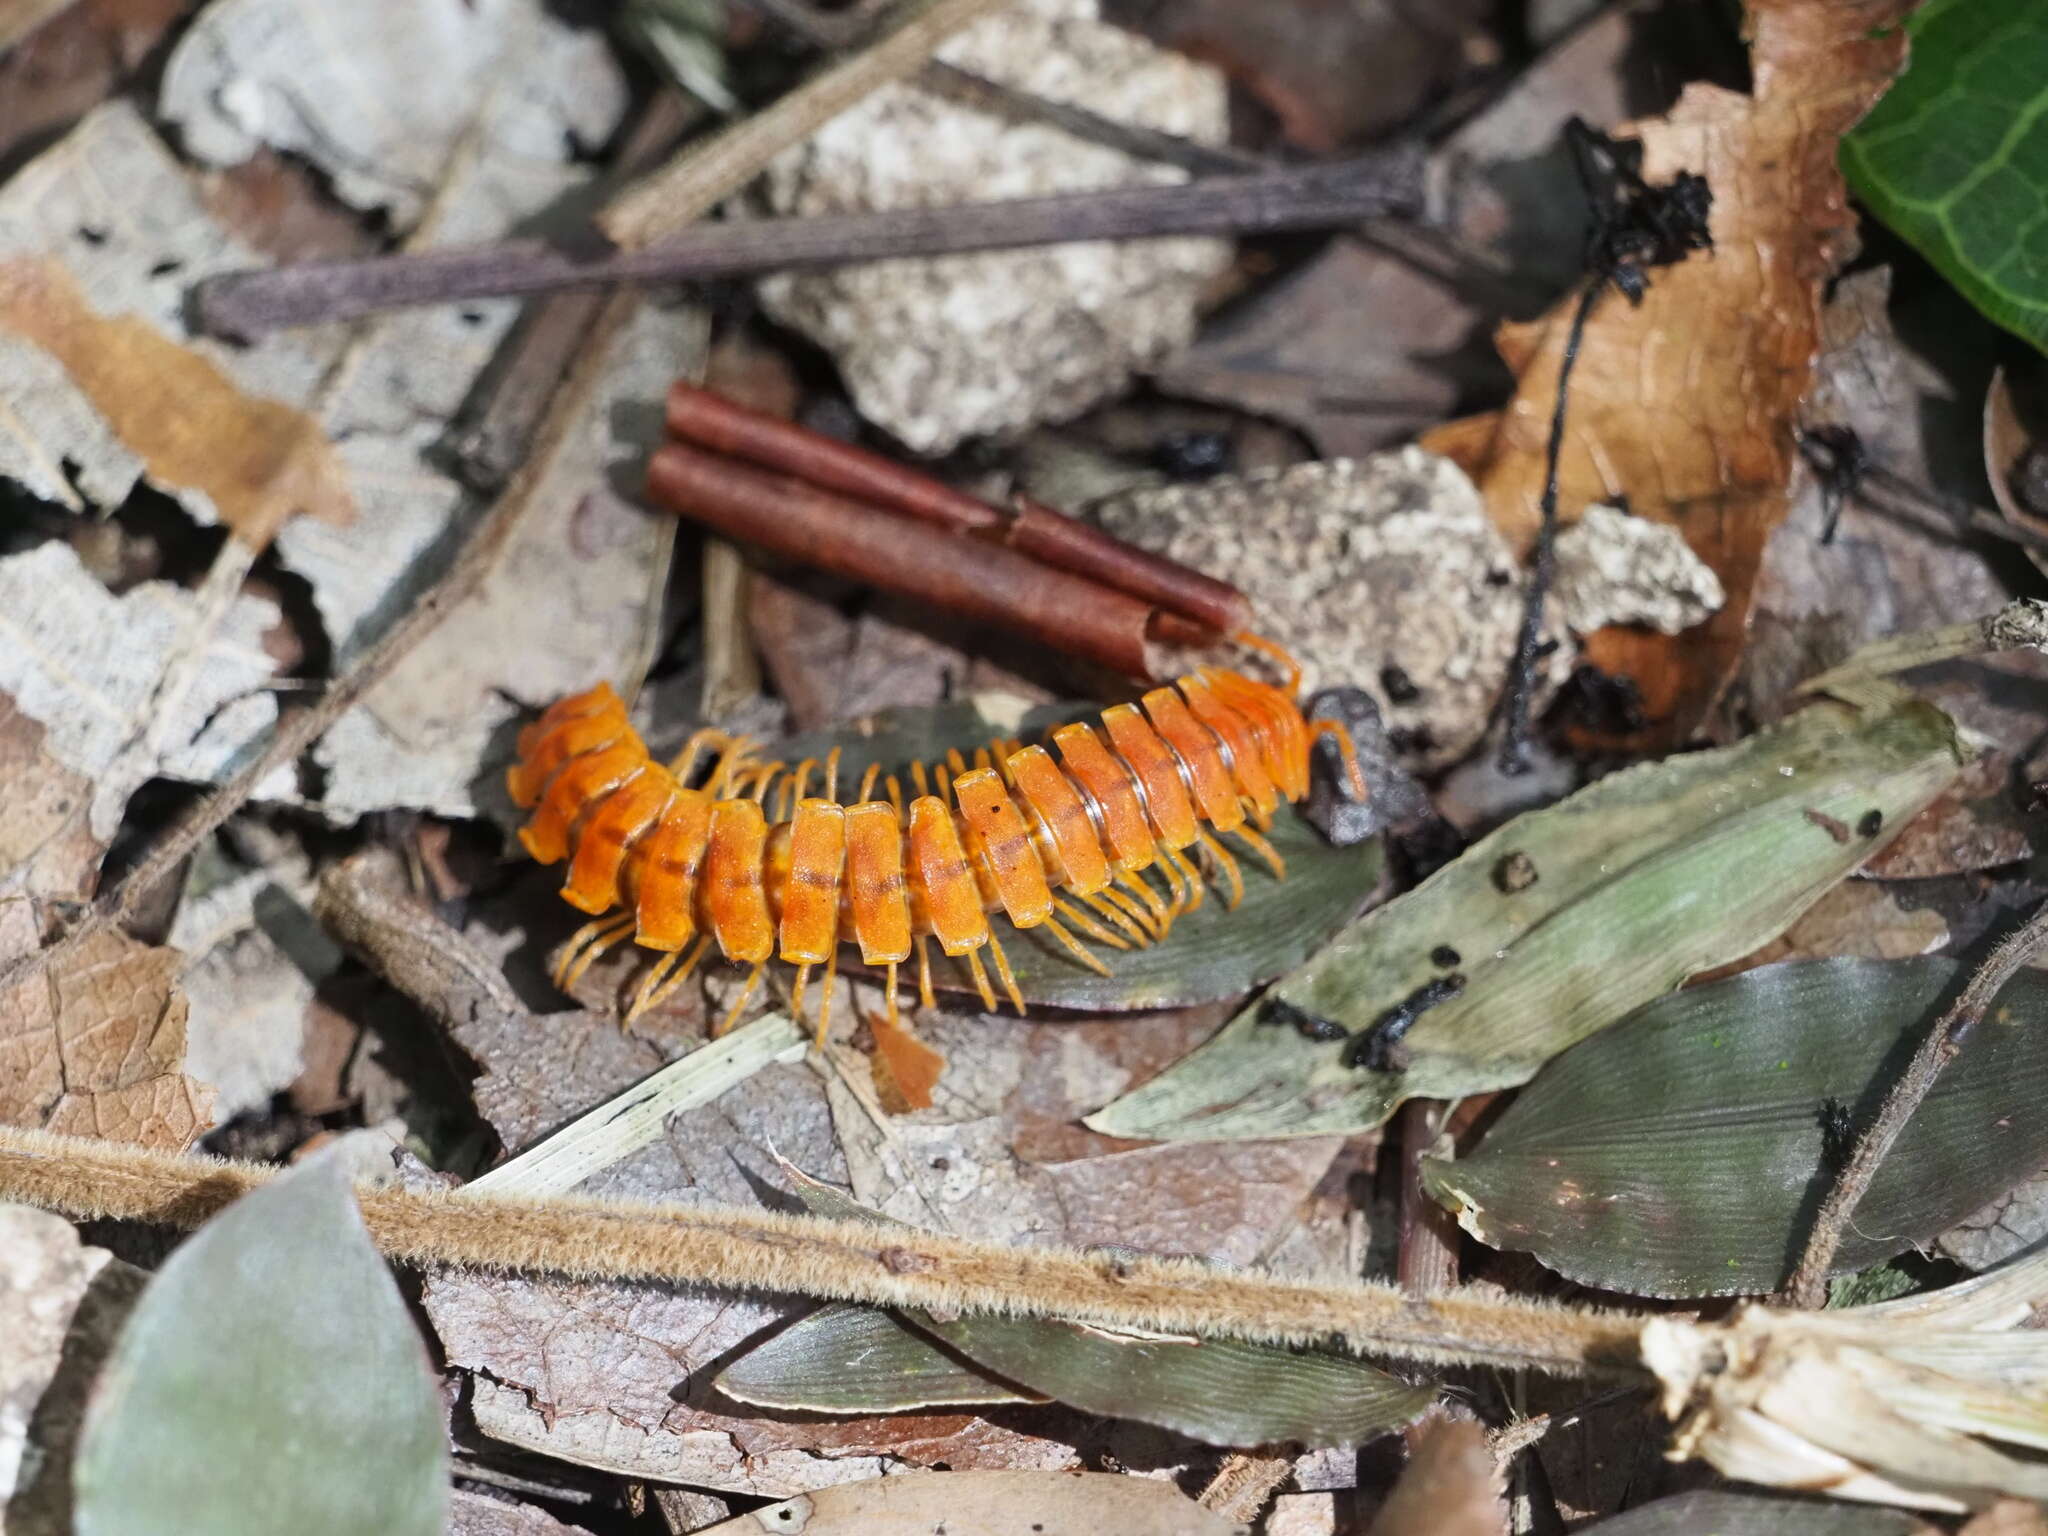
(990, 1504)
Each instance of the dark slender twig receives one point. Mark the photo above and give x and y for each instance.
(1944, 1042)
(1514, 745)
(247, 305)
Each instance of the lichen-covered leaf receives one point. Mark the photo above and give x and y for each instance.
(1684, 1151)
(1560, 923)
(1954, 157)
(848, 1359)
(270, 1376)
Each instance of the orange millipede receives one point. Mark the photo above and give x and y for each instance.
(1059, 843)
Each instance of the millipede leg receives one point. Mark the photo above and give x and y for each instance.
(917, 777)
(1139, 914)
(889, 996)
(832, 774)
(1264, 850)
(1106, 904)
(995, 950)
(659, 985)
(796, 992)
(924, 974)
(746, 996)
(1076, 948)
(988, 997)
(895, 794)
(685, 760)
(825, 1007)
(1347, 749)
(1176, 898)
(1088, 925)
(1189, 873)
(956, 762)
(1131, 881)
(1229, 867)
(1278, 652)
(586, 944)
(1261, 816)
(867, 781)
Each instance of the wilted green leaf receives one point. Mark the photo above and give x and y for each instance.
(1681, 1153)
(1713, 1513)
(1638, 881)
(1955, 156)
(1216, 1390)
(269, 1380)
(1210, 953)
(848, 1359)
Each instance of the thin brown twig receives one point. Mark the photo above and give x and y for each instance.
(756, 1250)
(295, 733)
(1808, 1284)
(704, 173)
(244, 306)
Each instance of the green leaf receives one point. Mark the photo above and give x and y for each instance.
(270, 1379)
(1641, 880)
(1713, 1513)
(1955, 156)
(1210, 953)
(1682, 1153)
(848, 1359)
(1216, 1390)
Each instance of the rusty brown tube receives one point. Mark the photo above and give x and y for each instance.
(971, 577)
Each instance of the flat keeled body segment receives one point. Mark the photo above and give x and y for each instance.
(810, 899)
(1083, 867)
(1195, 745)
(1152, 763)
(997, 829)
(663, 869)
(1108, 785)
(607, 831)
(733, 896)
(941, 882)
(877, 892)
(585, 779)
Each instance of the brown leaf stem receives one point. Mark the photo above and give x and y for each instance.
(770, 1251)
(1944, 1042)
(244, 306)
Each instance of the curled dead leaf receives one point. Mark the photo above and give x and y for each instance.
(1684, 404)
(2015, 457)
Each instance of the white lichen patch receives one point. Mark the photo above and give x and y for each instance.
(1616, 569)
(937, 351)
(1381, 573)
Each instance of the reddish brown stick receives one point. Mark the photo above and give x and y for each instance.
(1215, 608)
(970, 577)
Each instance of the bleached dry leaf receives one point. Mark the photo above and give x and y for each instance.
(61, 1304)
(379, 96)
(95, 1045)
(990, 1504)
(87, 665)
(477, 1514)
(940, 350)
(248, 1019)
(2012, 1223)
(1685, 404)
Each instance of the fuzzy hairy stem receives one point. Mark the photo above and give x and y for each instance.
(758, 1250)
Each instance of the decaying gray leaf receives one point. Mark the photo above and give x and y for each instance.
(47, 849)
(1678, 1153)
(1751, 1514)
(941, 350)
(382, 97)
(270, 1368)
(476, 1514)
(86, 664)
(1558, 924)
(1898, 1403)
(989, 1504)
(61, 1303)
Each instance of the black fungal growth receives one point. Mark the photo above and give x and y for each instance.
(1870, 824)
(1310, 1026)
(1836, 1124)
(1445, 958)
(1399, 685)
(1375, 1048)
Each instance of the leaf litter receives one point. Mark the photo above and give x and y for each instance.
(1698, 520)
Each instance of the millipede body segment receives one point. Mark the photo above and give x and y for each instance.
(682, 855)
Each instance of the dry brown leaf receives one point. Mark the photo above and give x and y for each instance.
(2008, 1517)
(1450, 1487)
(46, 844)
(477, 1514)
(2016, 457)
(1857, 917)
(906, 1069)
(990, 1504)
(259, 461)
(95, 1044)
(1684, 406)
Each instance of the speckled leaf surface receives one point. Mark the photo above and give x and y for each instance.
(1560, 923)
(1710, 1512)
(1955, 156)
(1684, 1151)
(270, 1379)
